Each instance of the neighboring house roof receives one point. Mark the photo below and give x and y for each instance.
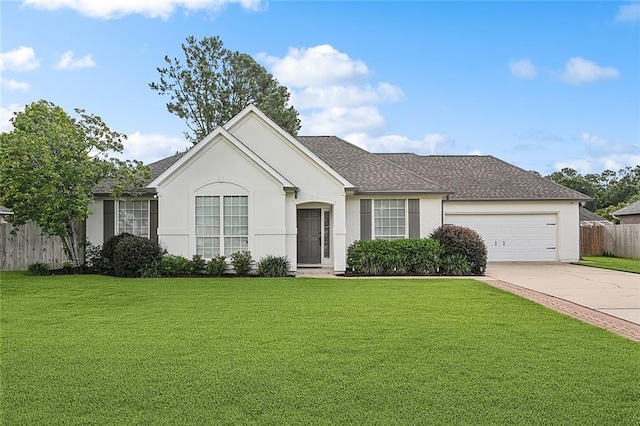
(633, 208)
(484, 177)
(589, 216)
(5, 211)
(370, 173)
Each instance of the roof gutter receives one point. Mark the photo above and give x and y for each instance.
(392, 192)
(130, 192)
(520, 199)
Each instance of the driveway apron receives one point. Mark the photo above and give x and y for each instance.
(611, 292)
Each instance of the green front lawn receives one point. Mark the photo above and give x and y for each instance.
(615, 263)
(101, 350)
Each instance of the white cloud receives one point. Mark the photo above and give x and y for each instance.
(331, 90)
(152, 147)
(345, 96)
(21, 59)
(6, 114)
(316, 66)
(578, 70)
(522, 68)
(8, 84)
(430, 144)
(67, 62)
(475, 152)
(598, 164)
(602, 154)
(340, 121)
(629, 13)
(593, 139)
(107, 9)
(597, 146)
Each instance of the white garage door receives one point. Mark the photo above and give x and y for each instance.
(514, 237)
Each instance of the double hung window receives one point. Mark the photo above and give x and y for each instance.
(222, 225)
(389, 219)
(133, 217)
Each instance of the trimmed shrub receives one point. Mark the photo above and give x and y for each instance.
(455, 265)
(217, 266)
(172, 266)
(152, 270)
(241, 261)
(198, 265)
(465, 242)
(94, 261)
(132, 255)
(397, 257)
(38, 269)
(274, 266)
(109, 251)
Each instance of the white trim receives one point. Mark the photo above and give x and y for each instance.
(327, 261)
(255, 110)
(222, 132)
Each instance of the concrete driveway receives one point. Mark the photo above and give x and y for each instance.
(612, 292)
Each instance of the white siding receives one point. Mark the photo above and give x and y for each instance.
(315, 183)
(222, 169)
(95, 230)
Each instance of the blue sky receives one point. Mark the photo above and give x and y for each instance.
(543, 85)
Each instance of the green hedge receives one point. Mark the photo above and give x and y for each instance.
(397, 257)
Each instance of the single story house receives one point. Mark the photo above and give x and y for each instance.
(249, 185)
(629, 215)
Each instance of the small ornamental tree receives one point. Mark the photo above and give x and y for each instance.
(49, 164)
(462, 242)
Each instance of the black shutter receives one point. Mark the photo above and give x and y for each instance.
(109, 220)
(365, 220)
(414, 218)
(153, 220)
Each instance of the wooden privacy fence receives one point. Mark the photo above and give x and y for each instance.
(29, 246)
(597, 239)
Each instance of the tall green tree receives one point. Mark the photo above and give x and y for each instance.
(610, 190)
(49, 164)
(213, 84)
(572, 179)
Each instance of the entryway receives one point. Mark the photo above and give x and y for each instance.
(309, 237)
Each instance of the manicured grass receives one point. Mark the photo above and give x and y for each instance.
(100, 350)
(615, 263)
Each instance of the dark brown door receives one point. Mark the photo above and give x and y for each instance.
(309, 236)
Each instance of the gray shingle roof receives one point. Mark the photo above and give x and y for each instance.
(633, 208)
(483, 177)
(589, 216)
(467, 177)
(5, 211)
(157, 168)
(368, 172)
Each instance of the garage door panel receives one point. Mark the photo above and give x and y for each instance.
(513, 237)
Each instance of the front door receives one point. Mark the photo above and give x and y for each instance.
(309, 236)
